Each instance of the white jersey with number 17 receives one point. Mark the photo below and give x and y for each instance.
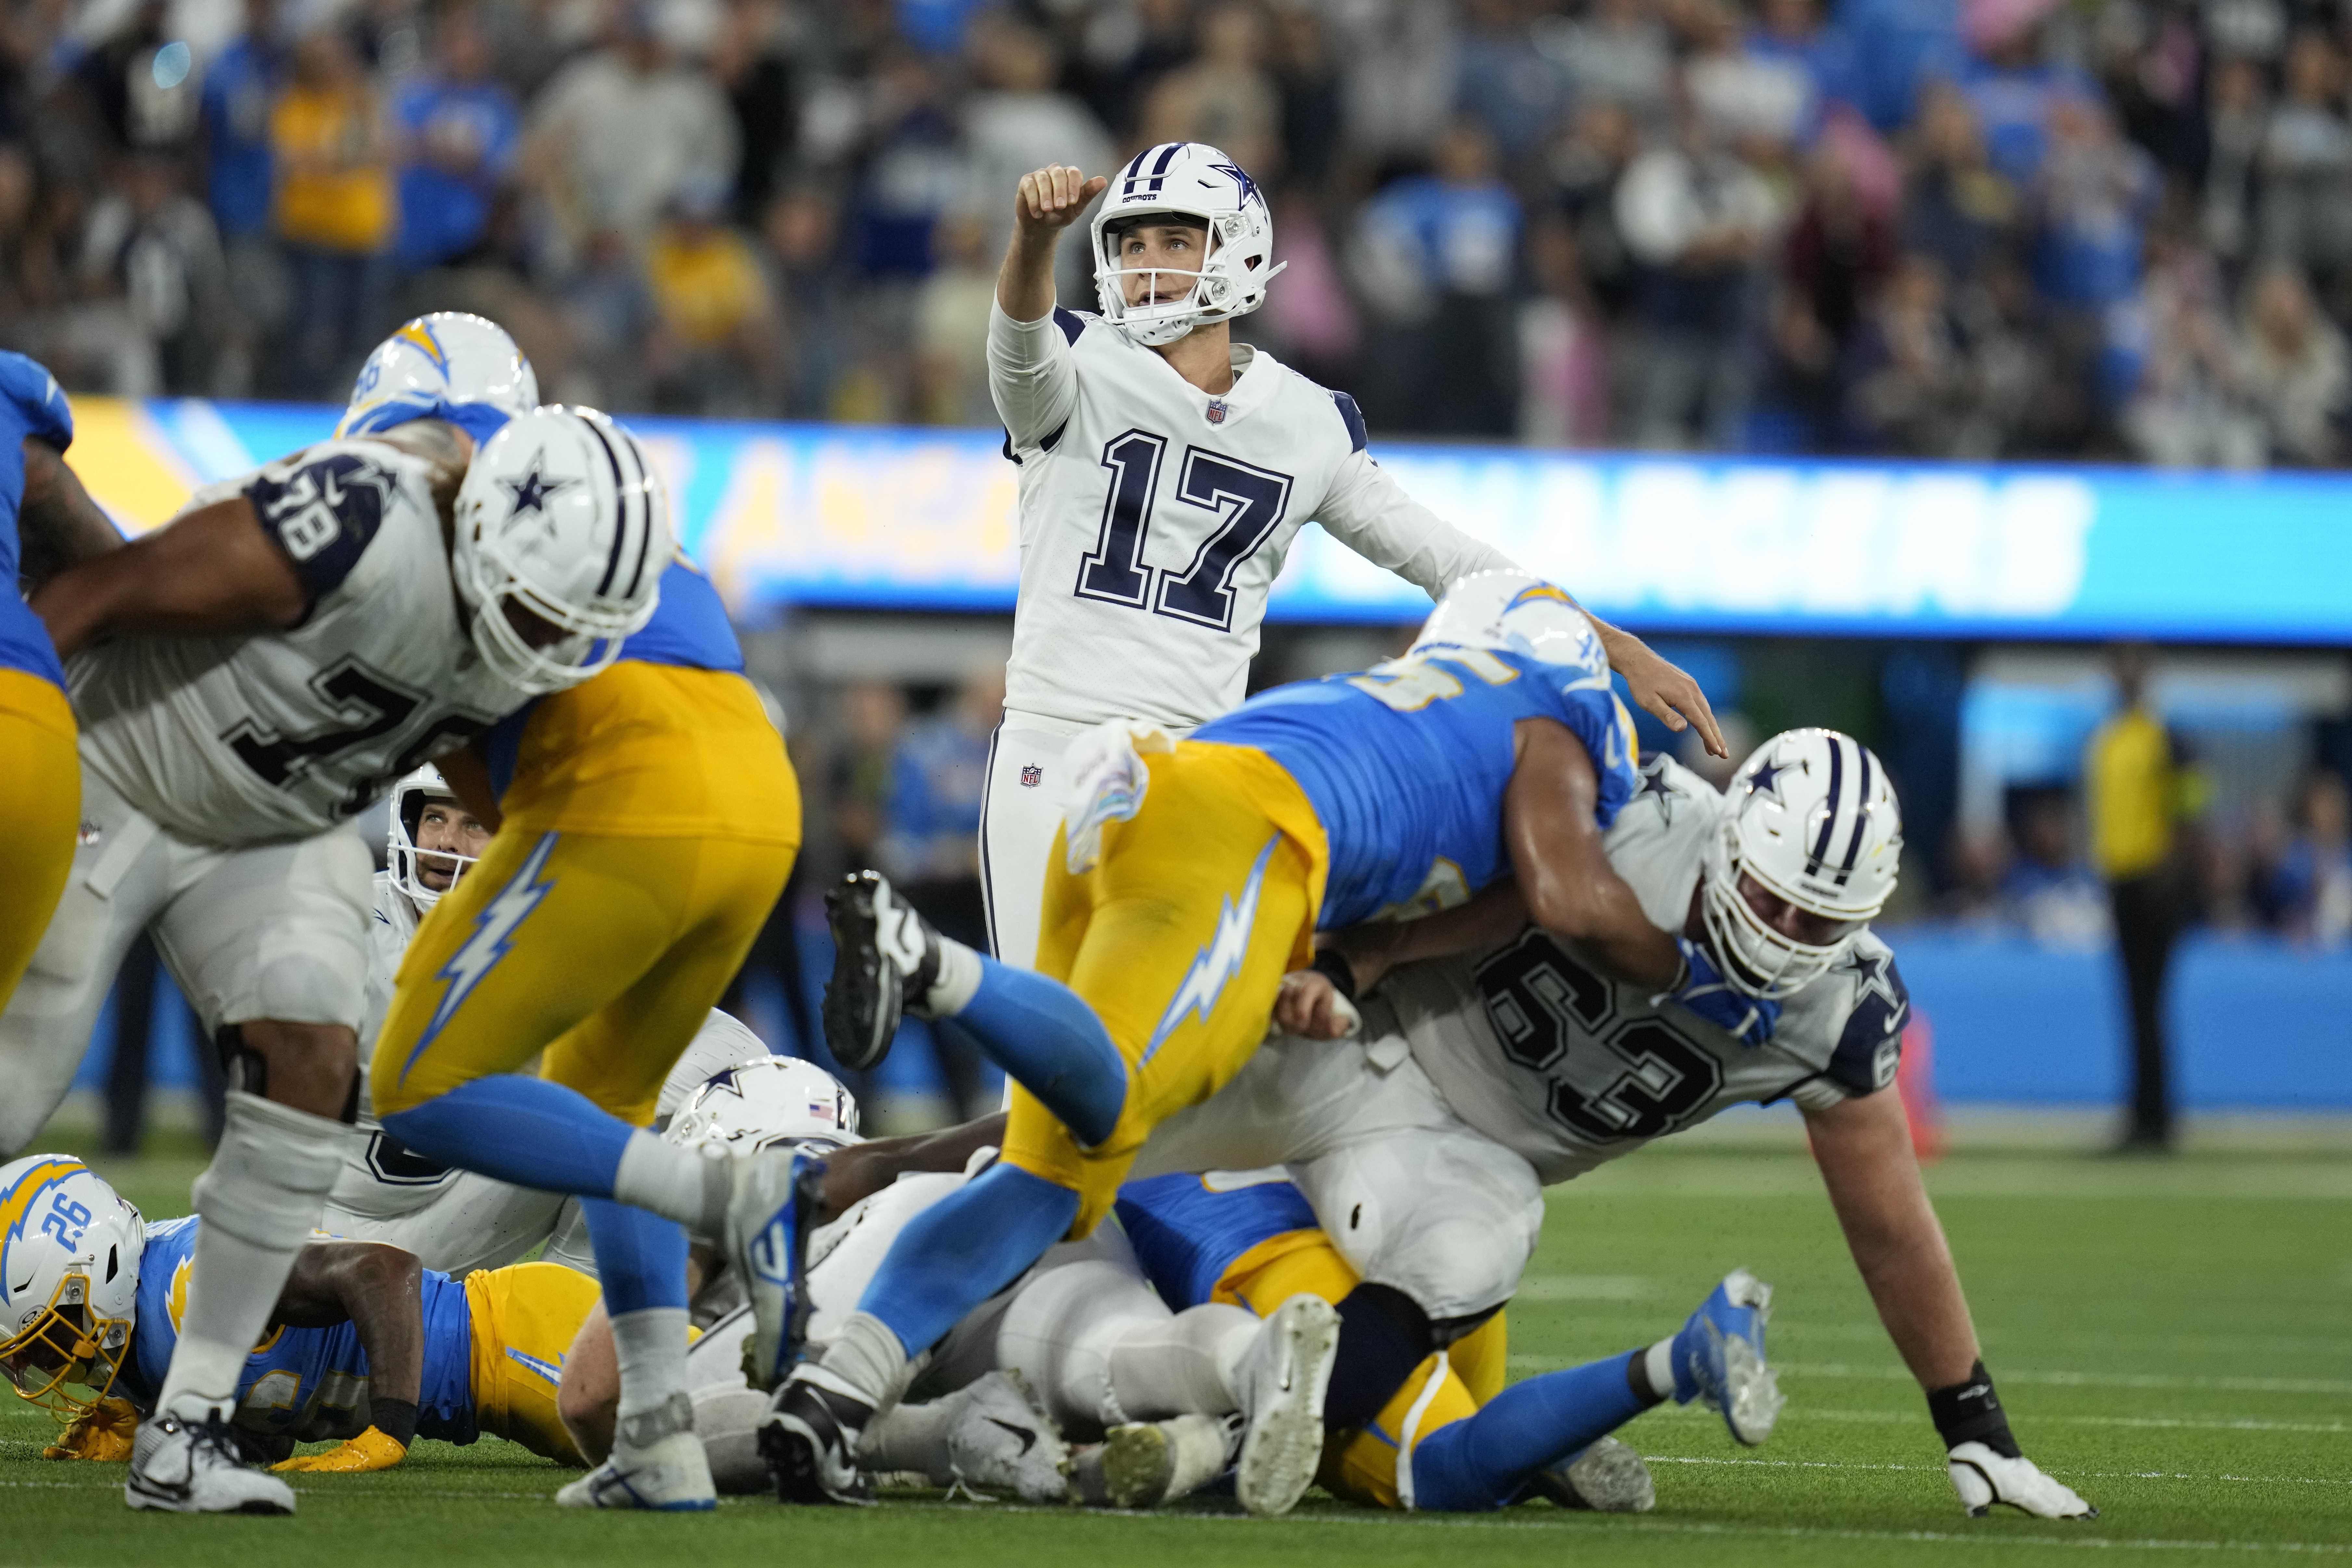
(1155, 516)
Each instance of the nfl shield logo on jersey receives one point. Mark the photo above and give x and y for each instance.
(1216, 411)
(1031, 777)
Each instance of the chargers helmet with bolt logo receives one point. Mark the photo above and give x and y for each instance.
(449, 355)
(1191, 181)
(69, 1250)
(1813, 822)
(560, 521)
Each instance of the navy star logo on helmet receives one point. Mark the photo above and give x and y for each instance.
(1764, 778)
(1241, 178)
(534, 490)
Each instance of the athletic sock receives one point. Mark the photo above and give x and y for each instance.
(1485, 1462)
(525, 1131)
(681, 1184)
(1663, 1368)
(258, 1201)
(641, 1262)
(1184, 1364)
(914, 1437)
(1041, 1032)
(960, 1251)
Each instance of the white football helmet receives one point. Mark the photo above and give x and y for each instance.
(1193, 180)
(764, 1102)
(409, 798)
(724, 1041)
(69, 1250)
(561, 516)
(1516, 612)
(1813, 820)
(447, 354)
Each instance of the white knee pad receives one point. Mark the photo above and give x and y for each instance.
(268, 1181)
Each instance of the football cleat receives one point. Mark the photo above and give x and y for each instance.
(1285, 1374)
(809, 1438)
(1719, 1357)
(1004, 1441)
(182, 1467)
(777, 1193)
(669, 1474)
(884, 955)
(1607, 1477)
(1147, 1463)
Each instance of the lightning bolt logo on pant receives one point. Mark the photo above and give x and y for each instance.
(493, 938)
(1220, 961)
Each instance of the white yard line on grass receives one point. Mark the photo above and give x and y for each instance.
(1939, 1469)
(2024, 1377)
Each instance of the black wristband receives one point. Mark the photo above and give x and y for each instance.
(395, 1418)
(1333, 965)
(1970, 1412)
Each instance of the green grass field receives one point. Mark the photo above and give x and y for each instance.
(2173, 1339)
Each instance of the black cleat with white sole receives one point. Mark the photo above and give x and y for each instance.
(810, 1441)
(884, 955)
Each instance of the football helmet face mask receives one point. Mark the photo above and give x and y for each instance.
(420, 789)
(560, 517)
(449, 355)
(763, 1104)
(1813, 823)
(1192, 181)
(69, 1250)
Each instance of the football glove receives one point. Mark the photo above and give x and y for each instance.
(370, 1451)
(102, 1434)
(1704, 992)
(1984, 1478)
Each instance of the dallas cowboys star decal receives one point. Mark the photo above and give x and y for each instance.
(534, 490)
(1248, 186)
(1654, 785)
(1764, 778)
(1875, 975)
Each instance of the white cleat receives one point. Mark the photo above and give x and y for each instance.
(670, 1475)
(1003, 1442)
(180, 1466)
(1607, 1477)
(1284, 1375)
(1147, 1463)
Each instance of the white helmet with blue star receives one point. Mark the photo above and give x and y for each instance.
(764, 1102)
(564, 530)
(1191, 181)
(1813, 823)
(448, 357)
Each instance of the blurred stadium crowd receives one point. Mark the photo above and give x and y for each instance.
(1975, 228)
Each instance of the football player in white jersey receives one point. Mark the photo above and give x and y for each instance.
(1493, 1061)
(1164, 472)
(247, 678)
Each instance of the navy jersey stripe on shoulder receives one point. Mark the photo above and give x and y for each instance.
(1071, 323)
(1353, 418)
(1870, 1047)
(324, 513)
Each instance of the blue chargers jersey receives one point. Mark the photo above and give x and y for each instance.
(1187, 1233)
(30, 404)
(1406, 765)
(311, 1382)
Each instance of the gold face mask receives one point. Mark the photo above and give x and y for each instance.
(64, 1349)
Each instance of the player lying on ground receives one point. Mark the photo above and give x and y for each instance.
(1190, 881)
(1476, 1080)
(1166, 471)
(249, 677)
(364, 1343)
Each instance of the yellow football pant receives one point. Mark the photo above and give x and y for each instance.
(1362, 1467)
(525, 1318)
(1178, 939)
(40, 801)
(607, 952)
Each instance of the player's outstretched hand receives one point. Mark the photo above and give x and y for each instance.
(1311, 1005)
(1669, 694)
(1984, 1478)
(370, 1451)
(102, 1434)
(1052, 197)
